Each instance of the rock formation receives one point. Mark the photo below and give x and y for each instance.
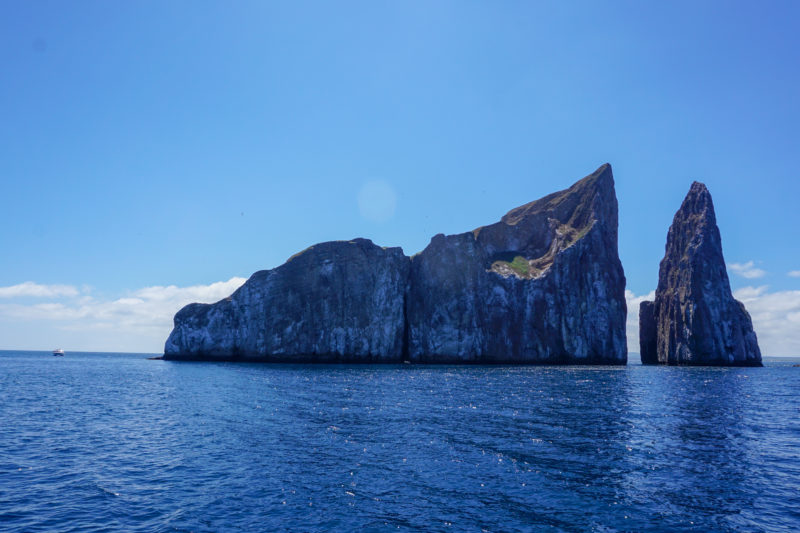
(694, 319)
(334, 302)
(543, 285)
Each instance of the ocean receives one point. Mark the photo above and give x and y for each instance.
(116, 442)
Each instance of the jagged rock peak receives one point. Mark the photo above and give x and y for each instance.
(539, 230)
(696, 219)
(576, 209)
(579, 194)
(694, 319)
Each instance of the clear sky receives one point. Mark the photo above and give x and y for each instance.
(154, 153)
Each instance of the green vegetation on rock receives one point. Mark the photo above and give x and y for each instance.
(519, 265)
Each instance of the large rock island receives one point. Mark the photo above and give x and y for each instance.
(694, 319)
(543, 285)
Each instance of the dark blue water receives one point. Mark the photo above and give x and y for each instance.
(103, 442)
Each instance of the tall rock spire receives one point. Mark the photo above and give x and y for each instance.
(694, 319)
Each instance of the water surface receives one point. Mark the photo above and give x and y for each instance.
(108, 442)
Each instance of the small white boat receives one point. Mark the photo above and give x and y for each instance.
(58, 352)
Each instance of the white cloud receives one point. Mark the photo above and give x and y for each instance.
(31, 289)
(144, 315)
(747, 270)
(794, 274)
(776, 318)
(198, 293)
(632, 325)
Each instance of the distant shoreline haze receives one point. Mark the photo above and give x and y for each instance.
(633, 357)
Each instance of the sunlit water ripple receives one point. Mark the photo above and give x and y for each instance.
(104, 442)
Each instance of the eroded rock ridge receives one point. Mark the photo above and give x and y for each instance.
(543, 285)
(694, 319)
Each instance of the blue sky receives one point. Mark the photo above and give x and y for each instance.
(153, 152)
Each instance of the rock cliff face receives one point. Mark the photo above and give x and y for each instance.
(334, 302)
(543, 285)
(694, 319)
